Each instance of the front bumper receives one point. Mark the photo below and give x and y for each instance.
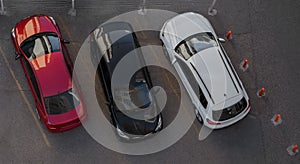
(129, 137)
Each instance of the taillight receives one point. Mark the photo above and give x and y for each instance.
(211, 122)
(248, 107)
(51, 127)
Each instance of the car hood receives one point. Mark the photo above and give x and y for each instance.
(134, 126)
(217, 77)
(52, 74)
(33, 25)
(184, 25)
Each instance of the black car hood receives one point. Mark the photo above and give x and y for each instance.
(134, 126)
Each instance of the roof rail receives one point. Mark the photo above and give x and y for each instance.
(203, 83)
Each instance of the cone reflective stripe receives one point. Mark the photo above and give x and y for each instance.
(229, 35)
(295, 148)
(277, 118)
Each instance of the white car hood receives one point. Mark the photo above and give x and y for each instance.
(184, 25)
(214, 74)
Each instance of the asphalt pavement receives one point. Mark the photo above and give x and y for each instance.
(264, 32)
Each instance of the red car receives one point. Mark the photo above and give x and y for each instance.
(48, 69)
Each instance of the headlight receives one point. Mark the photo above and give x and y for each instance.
(158, 124)
(52, 20)
(13, 32)
(121, 134)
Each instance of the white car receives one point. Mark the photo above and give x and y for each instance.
(205, 70)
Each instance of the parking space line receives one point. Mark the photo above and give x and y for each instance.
(165, 75)
(173, 89)
(21, 90)
(63, 25)
(72, 43)
(75, 46)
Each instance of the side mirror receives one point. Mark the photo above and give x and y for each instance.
(221, 40)
(65, 41)
(18, 56)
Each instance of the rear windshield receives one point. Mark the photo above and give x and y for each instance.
(61, 103)
(194, 44)
(40, 44)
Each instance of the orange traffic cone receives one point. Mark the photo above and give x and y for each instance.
(229, 35)
(261, 92)
(276, 120)
(244, 65)
(293, 149)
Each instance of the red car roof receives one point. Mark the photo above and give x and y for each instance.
(33, 25)
(52, 74)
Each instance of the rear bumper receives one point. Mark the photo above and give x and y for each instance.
(222, 124)
(66, 126)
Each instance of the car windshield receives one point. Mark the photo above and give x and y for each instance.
(194, 44)
(61, 103)
(139, 95)
(40, 44)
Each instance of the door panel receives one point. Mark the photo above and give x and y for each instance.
(34, 86)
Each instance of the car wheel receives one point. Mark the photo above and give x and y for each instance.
(198, 116)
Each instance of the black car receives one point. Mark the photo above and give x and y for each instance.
(113, 41)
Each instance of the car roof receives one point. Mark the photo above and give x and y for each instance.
(52, 73)
(33, 25)
(184, 25)
(213, 70)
